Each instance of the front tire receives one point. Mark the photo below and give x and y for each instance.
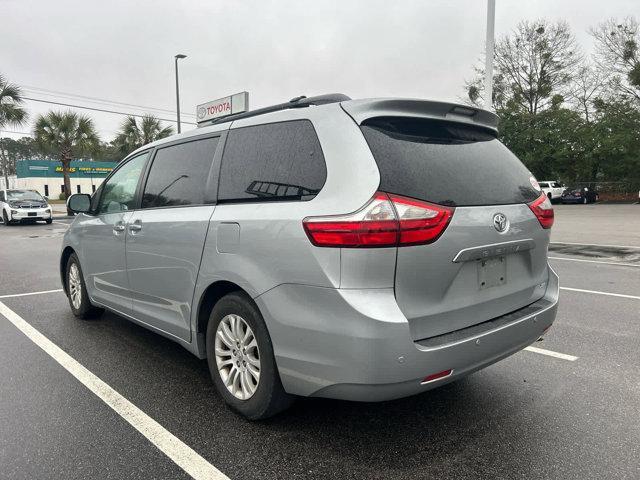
(77, 291)
(5, 218)
(241, 360)
(49, 221)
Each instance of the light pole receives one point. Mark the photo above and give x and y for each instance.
(488, 61)
(178, 57)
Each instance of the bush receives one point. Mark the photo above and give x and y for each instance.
(62, 196)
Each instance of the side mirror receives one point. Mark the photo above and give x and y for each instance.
(79, 203)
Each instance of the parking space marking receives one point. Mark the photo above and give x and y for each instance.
(179, 452)
(596, 261)
(30, 293)
(593, 245)
(550, 353)
(596, 292)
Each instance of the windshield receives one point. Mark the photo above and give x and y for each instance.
(20, 195)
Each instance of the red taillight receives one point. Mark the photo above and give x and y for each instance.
(543, 210)
(437, 376)
(385, 221)
(420, 222)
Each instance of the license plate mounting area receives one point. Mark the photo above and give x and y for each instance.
(492, 272)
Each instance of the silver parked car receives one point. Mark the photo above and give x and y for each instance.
(354, 249)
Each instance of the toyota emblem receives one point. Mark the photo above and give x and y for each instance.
(500, 222)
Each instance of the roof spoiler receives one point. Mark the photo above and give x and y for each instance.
(361, 110)
(297, 102)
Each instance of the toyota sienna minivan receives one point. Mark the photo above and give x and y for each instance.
(354, 249)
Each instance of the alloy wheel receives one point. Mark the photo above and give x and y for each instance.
(75, 286)
(237, 356)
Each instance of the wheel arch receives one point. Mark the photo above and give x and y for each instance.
(208, 299)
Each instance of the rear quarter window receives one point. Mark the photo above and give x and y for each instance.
(446, 163)
(272, 162)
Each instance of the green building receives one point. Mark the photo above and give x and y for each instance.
(46, 177)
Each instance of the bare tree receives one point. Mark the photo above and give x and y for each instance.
(618, 55)
(534, 66)
(587, 86)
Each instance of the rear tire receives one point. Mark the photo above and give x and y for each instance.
(234, 320)
(77, 291)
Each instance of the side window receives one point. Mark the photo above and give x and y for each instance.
(119, 191)
(272, 162)
(95, 198)
(179, 174)
(2, 197)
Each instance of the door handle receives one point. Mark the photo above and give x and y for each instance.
(135, 227)
(118, 227)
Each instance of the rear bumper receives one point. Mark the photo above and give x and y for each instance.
(356, 345)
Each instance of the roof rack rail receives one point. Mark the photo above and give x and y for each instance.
(297, 102)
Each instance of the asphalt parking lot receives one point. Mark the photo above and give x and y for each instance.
(569, 410)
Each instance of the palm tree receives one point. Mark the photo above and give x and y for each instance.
(66, 135)
(134, 134)
(11, 113)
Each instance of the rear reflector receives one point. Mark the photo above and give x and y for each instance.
(437, 376)
(385, 221)
(543, 210)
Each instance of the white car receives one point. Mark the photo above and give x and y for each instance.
(24, 205)
(552, 189)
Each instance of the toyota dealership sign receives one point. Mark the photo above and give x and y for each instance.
(222, 107)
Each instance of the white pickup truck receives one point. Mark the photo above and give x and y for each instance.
(552, 188)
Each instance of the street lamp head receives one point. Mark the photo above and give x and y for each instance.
(180, 55)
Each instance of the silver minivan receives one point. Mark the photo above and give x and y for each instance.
(353, 249)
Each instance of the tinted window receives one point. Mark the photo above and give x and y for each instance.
(119, 191)
(279, 161)
(543, 184)
(179, 174)
(446, 163)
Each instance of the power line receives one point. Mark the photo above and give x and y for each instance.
(44, 91)
(98, 109)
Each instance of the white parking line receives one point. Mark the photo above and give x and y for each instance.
(593, 245)
(30, 293)
(637, 265)
(549, 353)
(621, 295)
(179, 452)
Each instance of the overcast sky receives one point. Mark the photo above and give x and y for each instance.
(122, 50)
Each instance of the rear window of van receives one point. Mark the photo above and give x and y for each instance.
(446, 163)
